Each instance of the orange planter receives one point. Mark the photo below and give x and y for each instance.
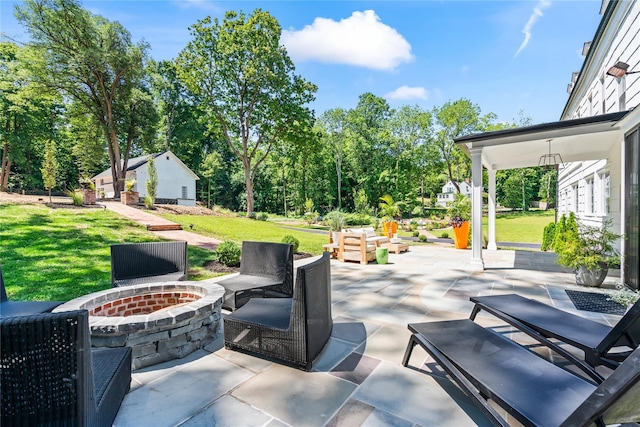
(389, 228)
(461, 235)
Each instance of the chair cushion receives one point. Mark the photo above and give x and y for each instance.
(26, 308)
(246, 281)
(271, 312)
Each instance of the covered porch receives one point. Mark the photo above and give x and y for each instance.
(578, 140)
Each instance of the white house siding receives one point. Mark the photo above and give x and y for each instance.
(172, 177)
(596, 93)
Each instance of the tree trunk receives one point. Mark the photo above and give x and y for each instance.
(249, 183)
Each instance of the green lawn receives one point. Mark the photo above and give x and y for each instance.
(238, 229)
(514, 227)
(60, 254)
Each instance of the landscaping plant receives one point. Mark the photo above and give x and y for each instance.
(228, 253)
(292, 240)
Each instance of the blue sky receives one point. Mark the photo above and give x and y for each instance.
(505, 56)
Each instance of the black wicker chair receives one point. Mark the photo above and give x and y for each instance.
(266, 271)
(135, 263)
(290, 330)
(22, 308)
(51, 377)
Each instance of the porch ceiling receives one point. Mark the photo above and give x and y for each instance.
(589, 138)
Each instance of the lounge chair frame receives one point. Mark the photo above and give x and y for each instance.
(544, 323)
(488, 366)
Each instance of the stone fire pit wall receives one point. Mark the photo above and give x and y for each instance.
(187, 320)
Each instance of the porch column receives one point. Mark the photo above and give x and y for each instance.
(491, 245)
(476, 209)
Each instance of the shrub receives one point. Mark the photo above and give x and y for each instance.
(148, 201)
(252, 215)
(416, 233)
(335, 220)
(422, 238)
(292, 240)
(228, 253)
(357, 219)
(444, 235)
(262, 216)
(76, 197)
(129, 184)
(548, 236)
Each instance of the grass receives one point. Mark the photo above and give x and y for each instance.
(61, 254)
(238, 229)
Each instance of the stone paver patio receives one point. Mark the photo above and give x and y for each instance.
(358, 380)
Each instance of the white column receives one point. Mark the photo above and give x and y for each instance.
(476, 209)
(491, 245)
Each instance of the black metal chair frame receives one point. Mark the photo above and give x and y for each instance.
(293, 330)
(488, 366)
(266, 271)
(51, 376)
(135, 263)
(544, 323)
(22, 308)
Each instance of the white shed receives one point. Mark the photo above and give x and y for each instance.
(176, 182)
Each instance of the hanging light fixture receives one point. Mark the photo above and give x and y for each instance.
(551, 160)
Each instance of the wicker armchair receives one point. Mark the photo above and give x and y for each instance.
(135, 263)
(290, 330)
(22, 308)
(266, 270)
(50, 376)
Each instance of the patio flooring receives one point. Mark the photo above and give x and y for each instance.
(358, 379)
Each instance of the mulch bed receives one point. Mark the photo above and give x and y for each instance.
(594, 301)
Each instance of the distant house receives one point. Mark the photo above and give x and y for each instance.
(448, 194)
(176, 182)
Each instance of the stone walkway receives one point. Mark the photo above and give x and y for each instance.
(358, 379)
(145, 218)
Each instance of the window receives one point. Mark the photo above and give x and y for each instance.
(622, 91)
(184, 192)
(576, 197)
(591, 197)
(606, 193)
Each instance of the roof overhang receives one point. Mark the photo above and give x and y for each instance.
(588, 138)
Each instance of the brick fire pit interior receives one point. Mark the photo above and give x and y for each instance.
(159, 321)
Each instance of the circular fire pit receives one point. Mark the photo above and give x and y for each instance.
(159, 321)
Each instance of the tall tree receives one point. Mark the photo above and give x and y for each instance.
(454, 119)
(245, 81)
(152, 182)
(334, 124)
(50, 166)
(89, 59)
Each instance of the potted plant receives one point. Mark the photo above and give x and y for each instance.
(390, 210)
(88, 191)
(336, 221)
(459, 212)
(130, 197)
(590, 253)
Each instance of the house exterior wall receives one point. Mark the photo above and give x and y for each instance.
(175, 182)
(593, 189)
(448, 192)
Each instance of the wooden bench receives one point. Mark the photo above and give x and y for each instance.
(135, 263)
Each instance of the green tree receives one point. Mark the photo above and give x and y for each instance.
(89, 59)
(50, 166)
(519, 188)
(455, 119)
(547, 192)
(245, 81)
(152, 182)
(210, 167)
(334, 125)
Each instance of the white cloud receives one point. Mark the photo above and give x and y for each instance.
(406, 92)
(535, 15)
(361, 40)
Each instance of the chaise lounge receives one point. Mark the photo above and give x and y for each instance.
(489, 367)
(601, 344)
(51, 377)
